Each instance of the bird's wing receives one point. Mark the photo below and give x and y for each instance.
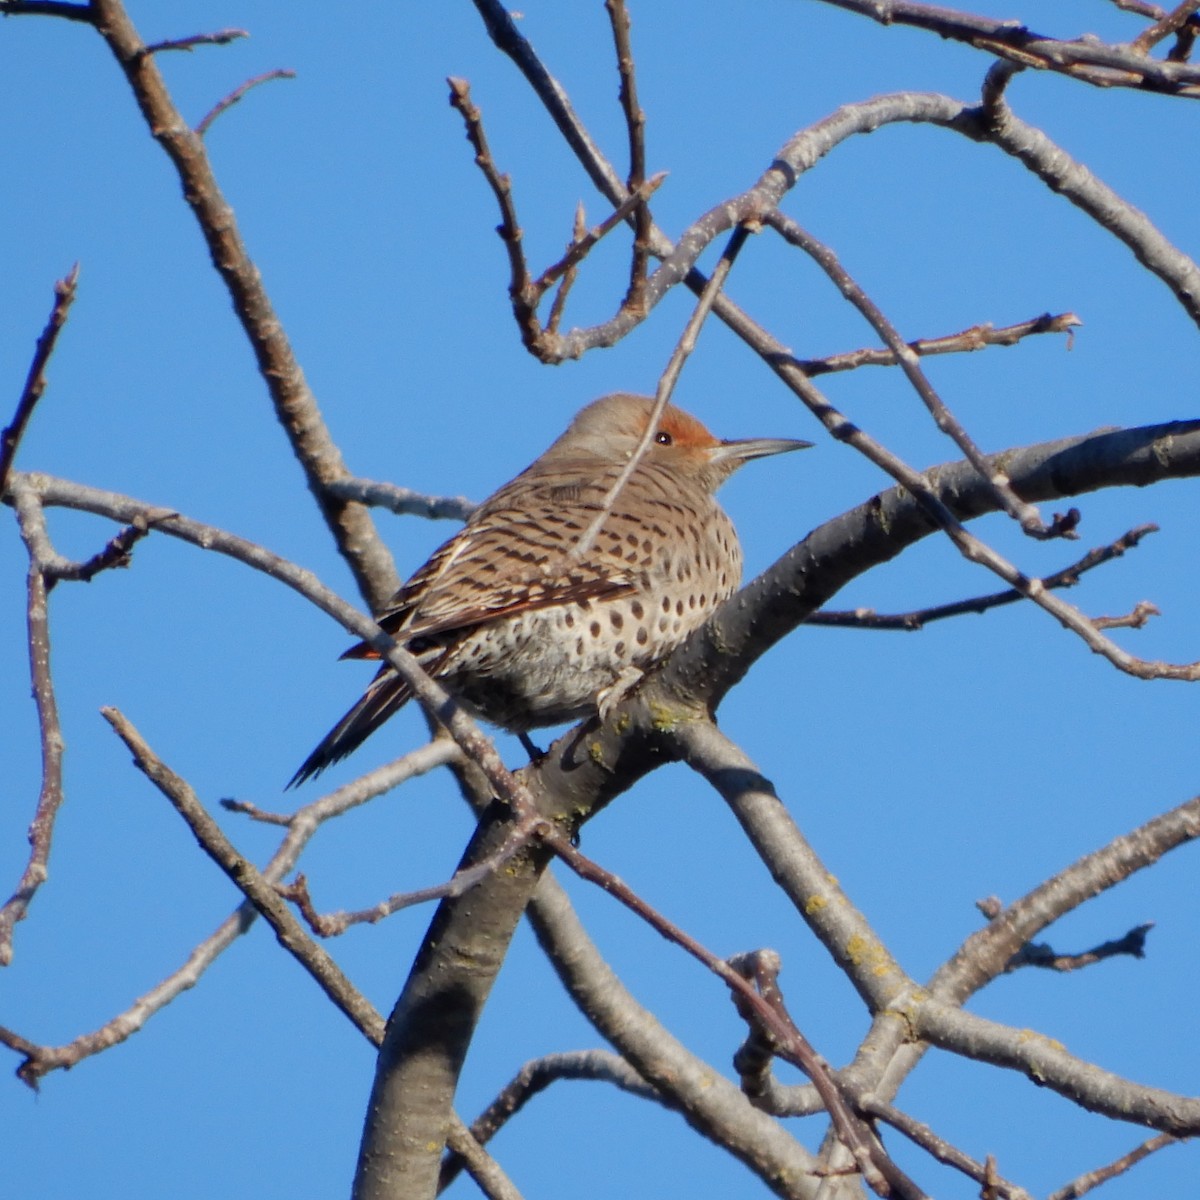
(513, 556)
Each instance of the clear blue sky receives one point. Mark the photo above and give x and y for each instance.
(929, 770)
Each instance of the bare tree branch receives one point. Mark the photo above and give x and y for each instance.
(635, 123)
(483, 1169)
(978, 337)
(1028, 517)
(1088, 60)
(403, 501)
(1070, 178)
(1168, 24)
(919, 618)
(50, 796)
(582, 243)
(295, 406)
(534, 1077)
(986, 953)
(1093, 1179)
(921, 1135)
(520, 287)
(222, 37)
(334, 924)
(880, 1173)
(709, 1102)
(227, 102)
(35, 380)
(1038, 954)
(302, 825)
(48, 8)
(246, 877)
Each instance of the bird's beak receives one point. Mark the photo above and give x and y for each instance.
(740, 450)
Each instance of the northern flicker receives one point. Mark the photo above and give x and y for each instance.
(527, 630)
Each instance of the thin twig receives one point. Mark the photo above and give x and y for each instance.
(35, 380)
(487, 1173)
(666, 385)
(222, 37)
(246, 809)
(1092, 1179)
(520, 288)
(31, 519)
(761, 967)
(336, 923)
(1026, 514)
(537, 1075)
(977, 551)
(1039, 954)
(635, 124)
(919, 618)
(976, 338)
(570, 271)
(987, 952)
(922, 1135)
(1142, 611)
(247, 878)
(1086, 59)
(1168, 24)
(533, 1078)
(238, 92)
(116, 553)
(582, 244)
(302, 825)
(401, 500)
(48, 8)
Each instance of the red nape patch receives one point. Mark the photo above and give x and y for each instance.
(362, 650)
(685, 430)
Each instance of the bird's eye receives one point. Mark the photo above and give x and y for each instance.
(663, 438)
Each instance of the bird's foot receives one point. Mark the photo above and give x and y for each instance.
(608, 698)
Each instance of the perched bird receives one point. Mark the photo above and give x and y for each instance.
(525, 629)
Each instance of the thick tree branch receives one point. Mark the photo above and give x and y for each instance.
(434, 1017)
(705, 1098)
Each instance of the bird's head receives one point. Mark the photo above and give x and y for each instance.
(609, 430)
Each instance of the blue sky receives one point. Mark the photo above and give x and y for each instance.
(929, 770)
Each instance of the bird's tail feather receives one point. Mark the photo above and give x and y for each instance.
(384, 697)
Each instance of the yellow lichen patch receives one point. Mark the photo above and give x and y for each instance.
(1032, 1035)
(814, 904)
(867, 952)
(664, 719)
